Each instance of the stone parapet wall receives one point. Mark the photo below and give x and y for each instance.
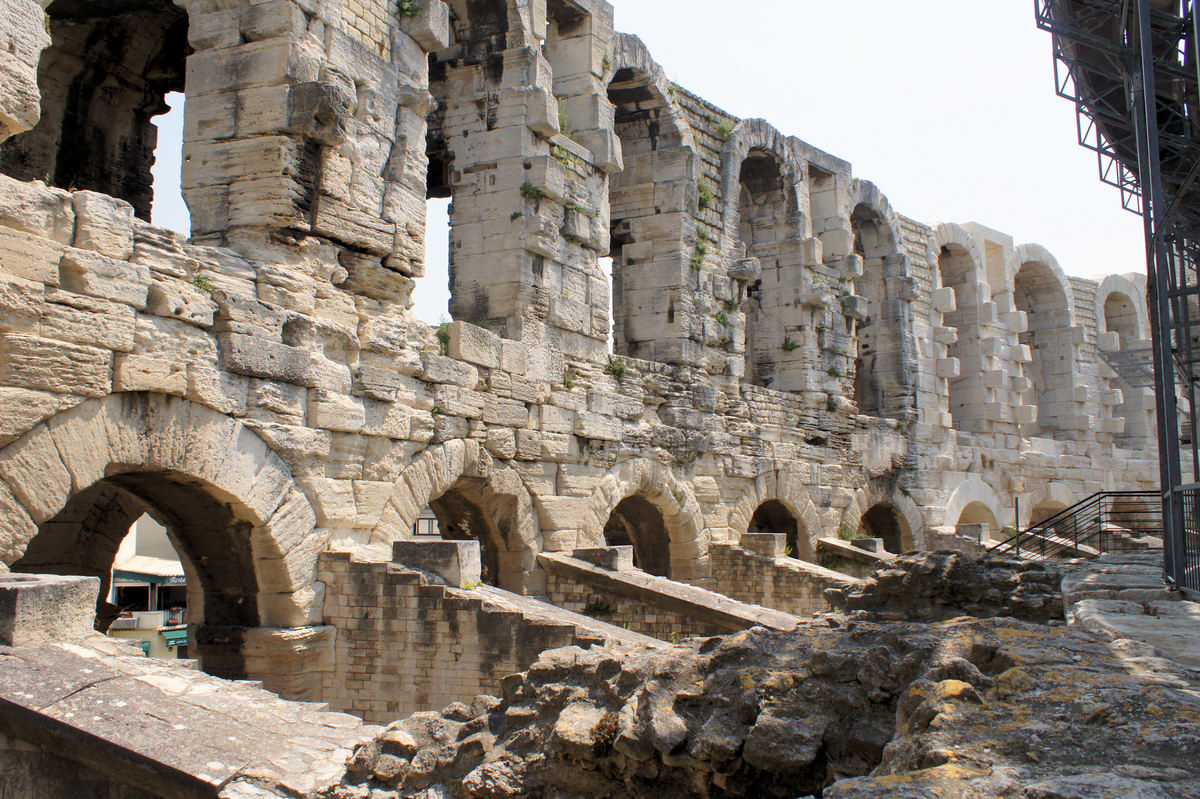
(779, 582)
(406, 644)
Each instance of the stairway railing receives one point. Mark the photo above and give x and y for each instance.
(1099, 523)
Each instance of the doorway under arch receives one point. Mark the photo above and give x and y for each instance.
(472, 511)
(637, 522)
(882, 521)
(213, 540)
(772, 516)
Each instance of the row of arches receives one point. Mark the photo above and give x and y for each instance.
(249, 539)
(1023, 292)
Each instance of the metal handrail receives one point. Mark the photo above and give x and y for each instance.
(1085, 528)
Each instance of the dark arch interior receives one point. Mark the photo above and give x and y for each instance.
(881, 522)
(774, 517)
(84, 536)
(763, 208)
(873, 242)
(472, 511)
(104, 77)
(638, 523)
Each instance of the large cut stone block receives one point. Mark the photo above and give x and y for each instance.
(456, 562)
(35, 608)
(33, 362)
(103, 224)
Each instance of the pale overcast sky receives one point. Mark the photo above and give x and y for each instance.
(948, 106)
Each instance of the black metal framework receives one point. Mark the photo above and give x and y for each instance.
(1107, 521)
(1132, 69)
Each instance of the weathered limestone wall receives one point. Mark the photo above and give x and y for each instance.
(767, 576)
(791, 352)
(406, 643)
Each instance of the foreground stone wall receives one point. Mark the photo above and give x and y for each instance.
(790, 351)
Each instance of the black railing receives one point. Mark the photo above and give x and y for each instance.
(1188, 577)
(1108, 521)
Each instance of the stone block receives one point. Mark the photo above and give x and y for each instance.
(37, 608)
(330, 410)
(21, 305)
(38, 209)
(456, 562)
(943, 299)
(181, 301)
(33, 362)
(89, 321)
(143, 373)
(440, 369)
(502, 442)
(947, 368)
(103, 224)
(430, 28)
(96, 275)
(613, 559)
(772, 545)
(30, 257)
(473, 344)
(510, 413)
(562, 513)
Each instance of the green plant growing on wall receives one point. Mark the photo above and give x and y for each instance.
(725, 130)
(697, 261)
(846, 532)
(615, 366)
(722, 319)
(202, 283)
(706, 197)
(833, 371)
(471, 585)
(443, 337)
(605, 66)
(701, 233)
(436, 410)
(408, 8)
(831, 405)
(789, 344)
(730, 306)
(514, 216)
(530, 191)
(580, 209)
(568, 380)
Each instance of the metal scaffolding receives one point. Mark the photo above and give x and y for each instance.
(1132, 69)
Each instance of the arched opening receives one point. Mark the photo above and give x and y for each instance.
(472, 511)
(773, 516)
(1044, 510)
(641, 288)
(977, 513)
(1039, 293)
(882, 521)
(213, 541)
(957, 269)
(879, 377)
(104, 77)
(149, 588)
(1121, 317)
(763, 216)
(637, 522)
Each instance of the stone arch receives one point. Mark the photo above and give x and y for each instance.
(783, 487)
(958, 239)
(674, 499)
(1130, 321)
(882, 363)
(758, 135)
(881, 492)
(1043, 293)
(1041, 505)
(463, 469)
(630, 53)
(969, 499)
(244, 531)
(102, 80)
(655, 140)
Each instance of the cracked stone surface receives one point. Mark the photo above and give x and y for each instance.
(170, 730)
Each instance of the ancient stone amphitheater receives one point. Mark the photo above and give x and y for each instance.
(794, 362)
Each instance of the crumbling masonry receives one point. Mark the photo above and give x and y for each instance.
(792, 355)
